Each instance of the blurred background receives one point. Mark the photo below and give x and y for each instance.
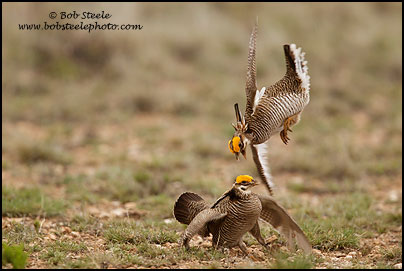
(142, 116)
(150, 111)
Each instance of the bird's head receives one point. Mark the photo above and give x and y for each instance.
(244, 183)
(238, 143)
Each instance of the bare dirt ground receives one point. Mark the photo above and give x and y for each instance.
(103, 131)
(386, 193)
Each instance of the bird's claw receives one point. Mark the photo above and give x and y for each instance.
(253, 258)
(284, 137)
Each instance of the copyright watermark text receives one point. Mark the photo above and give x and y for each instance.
(90, 25)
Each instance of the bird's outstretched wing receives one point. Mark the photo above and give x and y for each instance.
(199, 223)
(251, 83)
(277, 216)
(283, 100)
(259, 157)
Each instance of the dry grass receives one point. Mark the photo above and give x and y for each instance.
(104, 130)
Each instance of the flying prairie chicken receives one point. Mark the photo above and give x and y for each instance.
(234, 214)
(272, 109)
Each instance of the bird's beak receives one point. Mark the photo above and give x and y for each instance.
(243, 152)
(237, 154)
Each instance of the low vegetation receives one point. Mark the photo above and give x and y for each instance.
(103, 131)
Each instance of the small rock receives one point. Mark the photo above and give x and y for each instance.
(206, 244)
(347, 263)
(339, 254)
(104, 265)
(118, 212)
(393, 196)
(168, 220)
(398, 266)
(66, 230)
(17, 219)
(75, 234)
(297, 180)
(317, 252)
(133, 152)
(130, 205)
(196, 241)
(115, 203)
(348, 257)
(352, 253)
(259, 255)
(103, 214)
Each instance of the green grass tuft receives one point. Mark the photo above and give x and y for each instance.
(35, 153)
(15, 255)
(29, 202)
(86, 223)
(19, 233)
(286, 261)
(53, 256)
(137, 233)
(393, 255)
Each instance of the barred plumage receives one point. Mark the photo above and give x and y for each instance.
(271, 113)
(235, 213)
(242, 214)
(272, 109)
(188, 206)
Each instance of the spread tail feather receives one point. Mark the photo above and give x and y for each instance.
(295, 62)
(187, 206)
(259, 152)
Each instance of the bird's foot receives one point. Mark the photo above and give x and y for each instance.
(270, 240)
(184, 242)
(253, 258)
(284, 136)
(284, 132)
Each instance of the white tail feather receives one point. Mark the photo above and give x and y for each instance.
(258, 95)
(262, 151)
(301, 66)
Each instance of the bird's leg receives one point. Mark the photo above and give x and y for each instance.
(255, 231)
(286, 127)
(243, 248)
(185, 242)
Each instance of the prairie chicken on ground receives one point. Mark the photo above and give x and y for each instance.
(272, 109)
(235, 213)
